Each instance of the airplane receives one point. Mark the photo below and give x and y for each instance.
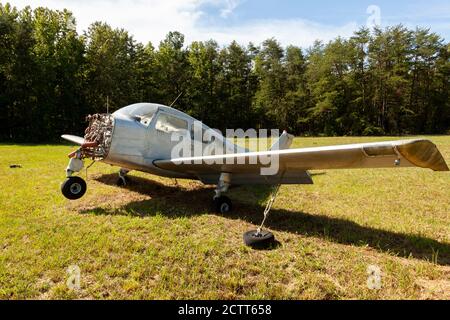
(140, 137)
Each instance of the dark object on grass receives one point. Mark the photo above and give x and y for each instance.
(123, 181)
(15, 166)
(259, 240)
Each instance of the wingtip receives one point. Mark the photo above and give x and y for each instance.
(444, 168)
(423, 153)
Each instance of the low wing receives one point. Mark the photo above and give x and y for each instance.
(74, 139)
(408, 153)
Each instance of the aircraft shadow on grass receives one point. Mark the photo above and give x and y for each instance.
(174, 201)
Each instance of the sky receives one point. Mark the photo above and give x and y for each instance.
(294, 22)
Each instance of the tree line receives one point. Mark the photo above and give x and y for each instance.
(388, 81)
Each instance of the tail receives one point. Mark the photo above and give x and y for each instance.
(284, 142)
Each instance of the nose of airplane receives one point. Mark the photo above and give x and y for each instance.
(129, 138)
(98, 136)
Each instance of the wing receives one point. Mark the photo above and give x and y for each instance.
(408, 153)
(74, 139)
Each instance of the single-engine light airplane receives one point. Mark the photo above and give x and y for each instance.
(139, 137)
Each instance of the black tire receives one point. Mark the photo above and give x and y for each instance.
(73, 188)
(222, 205)
(263, 240)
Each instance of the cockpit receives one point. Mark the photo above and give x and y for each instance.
(142, 112)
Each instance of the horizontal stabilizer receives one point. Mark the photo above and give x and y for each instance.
(74, 139)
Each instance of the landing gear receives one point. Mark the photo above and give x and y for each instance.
(123, 180)
(73, 188)
(222, 204)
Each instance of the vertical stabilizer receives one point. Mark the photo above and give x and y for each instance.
(284, 142)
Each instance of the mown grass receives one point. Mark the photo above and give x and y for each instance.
(158, 238)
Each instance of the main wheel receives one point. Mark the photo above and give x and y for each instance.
(263, 240)
(73, 188)
(222, 205)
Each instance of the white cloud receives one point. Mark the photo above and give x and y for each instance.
(230, 5)
(147, 20)
(151, 20)
(294, 31)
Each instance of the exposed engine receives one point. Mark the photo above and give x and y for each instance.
(98, 136)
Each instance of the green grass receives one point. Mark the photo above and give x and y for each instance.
(158, 239)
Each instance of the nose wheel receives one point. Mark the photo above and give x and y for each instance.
(73, 188)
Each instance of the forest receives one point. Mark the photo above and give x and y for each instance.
(384, 81)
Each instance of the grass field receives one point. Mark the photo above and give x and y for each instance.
(158, 239)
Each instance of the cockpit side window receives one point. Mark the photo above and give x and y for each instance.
(168, 123)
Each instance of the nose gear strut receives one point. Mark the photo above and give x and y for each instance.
(73, 187)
